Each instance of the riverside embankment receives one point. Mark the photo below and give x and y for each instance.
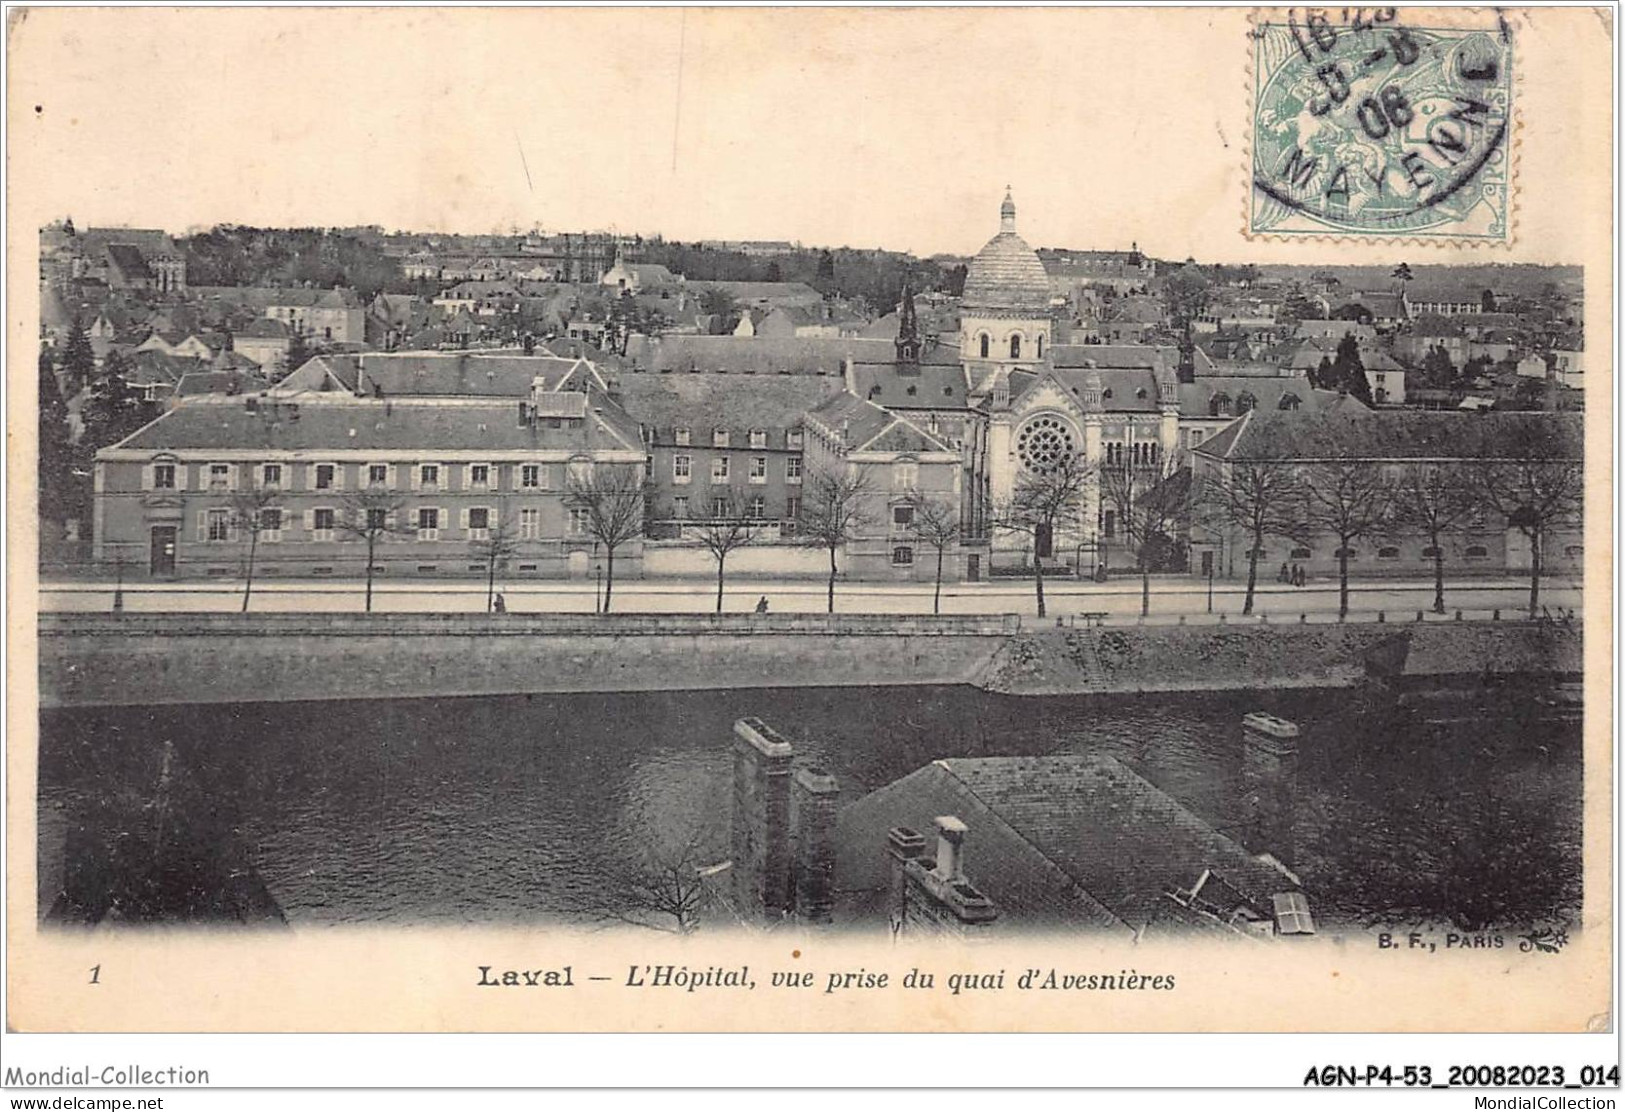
(137, 659)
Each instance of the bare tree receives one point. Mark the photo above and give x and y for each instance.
(936, 522)
(721, 534)
(609, 500)
(666, 888)
(1538, 484)
(1255, 498)
(1152, 503)
(1433, 499)
(834, 512)
(498, 544)
(1348, 498)
(371, 516)
(252, 512)
(1045, 504)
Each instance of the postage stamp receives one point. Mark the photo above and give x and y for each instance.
(1366, 125)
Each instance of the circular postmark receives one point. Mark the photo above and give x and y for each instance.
(1368, 126)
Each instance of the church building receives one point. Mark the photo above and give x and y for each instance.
(1043, 402)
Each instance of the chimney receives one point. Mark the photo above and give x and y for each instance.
(935, 900)
(813, 798)
(1270, 780)
(950, 848)
(761, 820)
(848, 367)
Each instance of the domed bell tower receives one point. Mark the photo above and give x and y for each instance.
(1005, 321)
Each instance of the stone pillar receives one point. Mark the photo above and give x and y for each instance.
(761, 820)
(902, 846)
(813, 798)
(1270, 783)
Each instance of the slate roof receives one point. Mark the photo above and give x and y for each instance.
(1249, 368)
(267, 328)
(460, 374)
(702, 403)
(1120, 388)
(1345, 431)
(1073, 839)
(377, 426)
(1438, 326)
(1335, 330)
(265, 297)
(1139, 310)
(861, 425)
(218, 382)
(235, 361)
(1114, 355)
(129, 260)
(149, 241)
(798, 355)
(148, 367)
(1195, 398)
(898, 386)
(321, 374)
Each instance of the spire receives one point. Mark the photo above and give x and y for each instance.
(1007, 213)
(908, 330)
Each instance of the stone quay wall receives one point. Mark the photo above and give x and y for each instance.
(141, 659)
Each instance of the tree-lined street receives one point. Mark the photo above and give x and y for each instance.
(1120, 599)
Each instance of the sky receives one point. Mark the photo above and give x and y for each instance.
(857, 127)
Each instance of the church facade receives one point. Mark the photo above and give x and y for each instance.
(1041, 402)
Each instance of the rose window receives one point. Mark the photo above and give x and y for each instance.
(1043, 443)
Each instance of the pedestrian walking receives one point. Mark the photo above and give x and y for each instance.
(761, 605)
(499, 604)
(1282, 575)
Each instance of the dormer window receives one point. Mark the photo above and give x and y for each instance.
(792, 439)
(680, 436)
(719, 438)
(758, 438)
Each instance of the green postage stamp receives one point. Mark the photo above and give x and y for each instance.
(1366, 124)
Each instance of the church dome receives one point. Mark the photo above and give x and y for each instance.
(1006, 278)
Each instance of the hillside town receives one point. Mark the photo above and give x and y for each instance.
(563, 405)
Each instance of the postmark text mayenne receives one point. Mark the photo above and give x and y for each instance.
(1366, 125)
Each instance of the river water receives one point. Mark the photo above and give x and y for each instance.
(506, 810)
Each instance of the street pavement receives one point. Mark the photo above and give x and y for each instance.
(1119, 599)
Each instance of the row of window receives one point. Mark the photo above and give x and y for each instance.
(985, 343)
(755, 509)
(720, 438)
(1392, 552)
(682, 469)
(1139, 454)
(331, 476)
(326, 523)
